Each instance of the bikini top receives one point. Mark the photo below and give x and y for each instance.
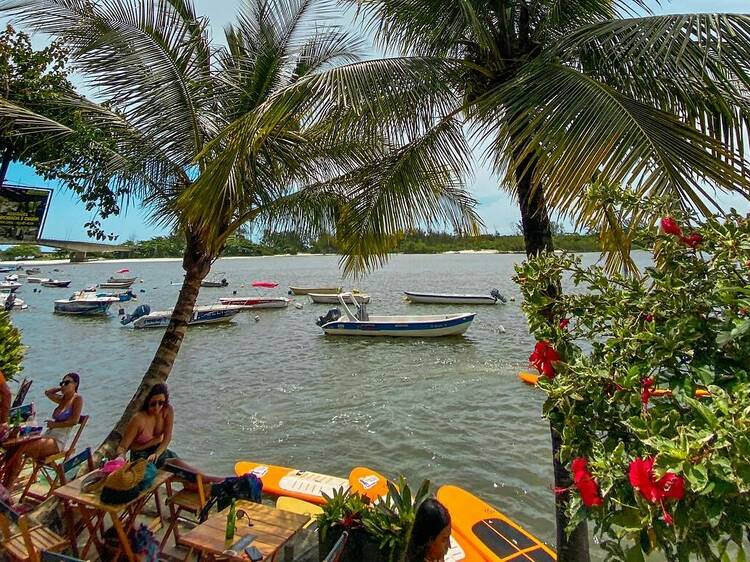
(64, 414)
(145, 436)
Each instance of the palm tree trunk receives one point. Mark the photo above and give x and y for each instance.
(537, 236)
(196, 264)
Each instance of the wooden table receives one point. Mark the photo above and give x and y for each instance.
(20, 440)
(273, 529)
(93, 513)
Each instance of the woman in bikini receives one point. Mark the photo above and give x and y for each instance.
(150, 430)
(66, 415)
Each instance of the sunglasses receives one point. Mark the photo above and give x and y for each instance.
(65, 382)
(156, 403)
(242, 514)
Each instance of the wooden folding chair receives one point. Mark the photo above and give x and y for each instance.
(23, 390)
(190, 500)
(29, 541)
(52, 466)
(48, 556)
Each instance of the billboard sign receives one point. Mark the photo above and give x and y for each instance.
(22, 213)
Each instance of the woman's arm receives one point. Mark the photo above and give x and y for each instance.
(166, 436)
(130, 433)
(75, 415)
(54, 394)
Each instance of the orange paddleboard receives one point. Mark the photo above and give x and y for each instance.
(532, 379)
(310, 486)
(492, 534)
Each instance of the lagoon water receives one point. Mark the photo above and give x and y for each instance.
(277, 390)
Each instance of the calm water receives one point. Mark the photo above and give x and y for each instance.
(279, 391)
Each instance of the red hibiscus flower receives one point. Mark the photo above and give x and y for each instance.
(647, 317)
(669, 487)
(694, 240)
(670, 226)
(564, 323)
(585, 483)
(543, 357)
(647, 391)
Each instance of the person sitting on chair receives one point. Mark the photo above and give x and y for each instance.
(65, 416)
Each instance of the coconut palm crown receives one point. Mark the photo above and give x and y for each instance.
(167, 93)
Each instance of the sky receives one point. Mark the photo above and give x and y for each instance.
(67, 215)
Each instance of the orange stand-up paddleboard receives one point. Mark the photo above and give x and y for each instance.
(310, 486)
(482, 527)
(532, 379)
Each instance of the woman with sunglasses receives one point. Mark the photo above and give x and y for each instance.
(65, 416)
(150, 430)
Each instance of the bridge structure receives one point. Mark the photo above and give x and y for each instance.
(80, 249)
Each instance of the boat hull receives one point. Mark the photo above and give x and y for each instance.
(402, 326)
(116, 285)
(56, 284)
(334, 299)
(256, 302)
(437, 298)
(316, 290)
(9, 287)
(82, 307)
(203, 315)
(35, 279)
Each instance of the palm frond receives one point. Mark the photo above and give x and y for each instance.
(17, 120)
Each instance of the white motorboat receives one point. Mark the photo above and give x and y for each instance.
(362, 324)
(12, 277)
(9, 287)
(214, 284)
(256, 302)
(448, 298)
(211, 314)
(355, 297)
(88, 305)
(316, 290)
(16, 303)
(117, 284)
(55, 283)
(36, 279)
(33, 270)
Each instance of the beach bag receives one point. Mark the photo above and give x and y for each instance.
(245, 487)
(125, 484)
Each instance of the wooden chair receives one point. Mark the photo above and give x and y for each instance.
(29, 541)
(48, 556)
(23, 390)
(191, 499)
(52, 466)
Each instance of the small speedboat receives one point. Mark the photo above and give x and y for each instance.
(33, 270)
(12, 277)
(256, 302)
(211, 314)
(36, 279)
(55, 283)
(116, 284)
(214, 284)
(316, 290)
(15, 302)
(9, 287)
(87, 294)
(447, 298)
(355, 297)
(84, 304)
(362, 324)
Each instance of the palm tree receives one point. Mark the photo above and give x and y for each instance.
(168, 93)
(571, 97)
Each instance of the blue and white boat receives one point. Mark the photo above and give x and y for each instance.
(211, 314)
(84, 306)
(447, 298)
(362, 324)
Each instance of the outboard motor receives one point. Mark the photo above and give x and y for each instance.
(224, 283)
(495, 293)
(333, 315)
(142, 310)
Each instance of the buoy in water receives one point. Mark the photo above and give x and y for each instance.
(256, 318)
(501, 329)
(298, 305)
(142, 291)
(512, 299)
(234, 292)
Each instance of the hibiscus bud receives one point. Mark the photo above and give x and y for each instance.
(694, 240)
(564, 323)
(670, 226)
(648, 317)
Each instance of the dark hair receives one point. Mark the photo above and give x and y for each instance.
(159, 388)
(430, 520)
(76, 379)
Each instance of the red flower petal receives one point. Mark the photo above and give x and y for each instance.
(584, 481)
(694, 240)
(670, 226)
(672, 486)
(641, 475)
(564, 323)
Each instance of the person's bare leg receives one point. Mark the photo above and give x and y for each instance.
(36, 450)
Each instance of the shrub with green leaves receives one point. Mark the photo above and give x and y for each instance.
(11, 348)
(647, 378)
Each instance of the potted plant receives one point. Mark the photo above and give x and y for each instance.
(378, 532)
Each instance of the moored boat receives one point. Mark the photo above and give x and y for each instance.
(84, 306)
(350, 298)
(214, 284)
(362, 324)
(9, 287)
(449, 298)
(36, 279)
(256, 302)
(116, 284)
(12, 277)
(15, 302)
(55, 283)
(316, 290)
(211, 314)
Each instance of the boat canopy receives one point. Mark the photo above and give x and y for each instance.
(265, 284)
